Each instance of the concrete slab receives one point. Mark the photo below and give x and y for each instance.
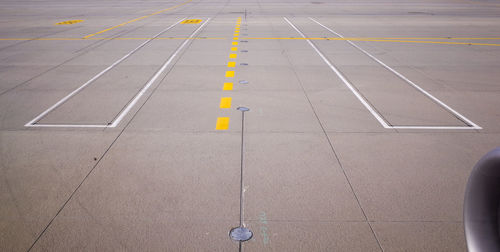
(420, 178)
(301, 171)
(310, 236)
(32, 194)
(166, 179)
(420, 236)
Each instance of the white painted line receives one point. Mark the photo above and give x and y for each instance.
(152, 80)
(63, 100)
(68, 126)
(341, 76)
(454, 112)
(437, 127)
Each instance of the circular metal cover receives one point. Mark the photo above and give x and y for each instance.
(243, 109)
(240, 233)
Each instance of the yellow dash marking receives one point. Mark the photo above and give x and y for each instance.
(228, 86)
(69, 22)
(234, 48)
(229, 73)
(236, 34)
(234, 43)
(231, 64)
(233, 56)
(222, 123)
(237, 25)
(191, 21)
(237, 28)
(225, 102)
(235, 38)
(137, 19)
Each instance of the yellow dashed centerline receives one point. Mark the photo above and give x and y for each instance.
(227, 86)
(229, 74)
(225, 102)
(222, 123)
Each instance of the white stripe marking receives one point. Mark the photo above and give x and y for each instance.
(152, 80)
(341, 76)
(68, 126)
(461, 117)
(60, 102)
(437, 127)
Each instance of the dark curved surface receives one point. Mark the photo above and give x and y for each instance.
(481, 206)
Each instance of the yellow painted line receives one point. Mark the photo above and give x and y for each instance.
(227, 86)
(369, 38)
(236, 34)
(191, 21)
(225, 102)
(430, 42)
(236, 38)
(234, 43)
(22, 39)
(238, 25)
(64, 39)
(69, 22)
(229, 73)
(137, 19)
(237, 28)
(234, 49)
(354, 39)
(233, 56)
(222, 123)
(231, 64)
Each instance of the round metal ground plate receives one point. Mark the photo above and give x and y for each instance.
(240, 234)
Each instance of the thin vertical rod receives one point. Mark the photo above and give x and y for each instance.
(241, 167)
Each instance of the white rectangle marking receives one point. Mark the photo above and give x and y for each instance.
(470, 124)
(33, 123)
(454, 112)
(344, 80)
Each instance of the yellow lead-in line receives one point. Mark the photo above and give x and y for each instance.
(81, 39)
(137, 19)
(236, 38)
(325, 38)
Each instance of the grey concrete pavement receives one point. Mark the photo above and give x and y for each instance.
(320, 171)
